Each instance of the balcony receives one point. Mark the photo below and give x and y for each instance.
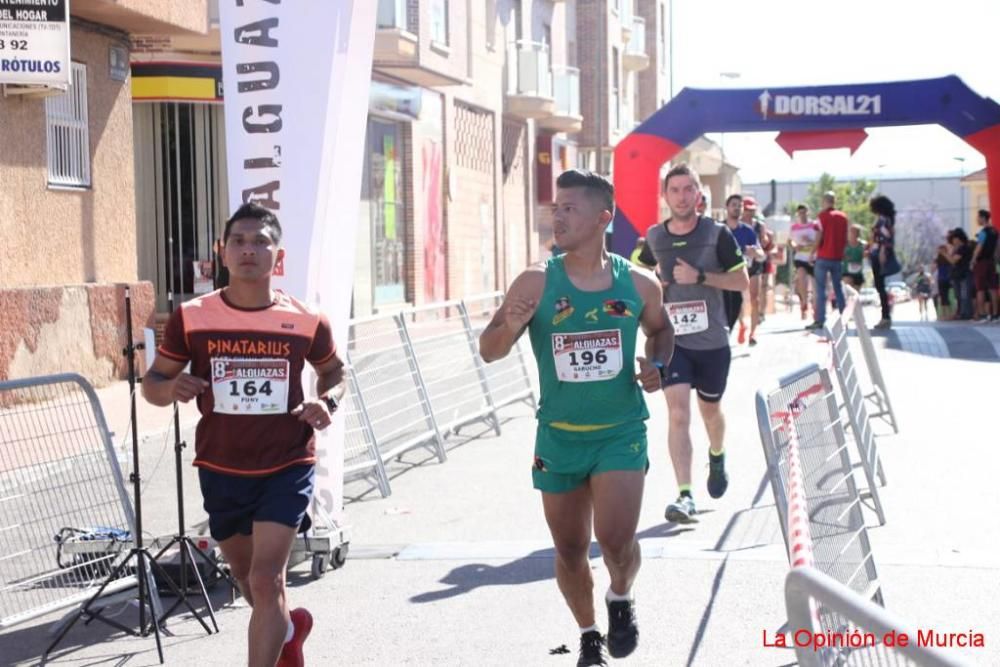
(635, 58)
(144, 17)
(566, 117)
(529, 80)
(393, 40)
(625, 15)
(398, 50)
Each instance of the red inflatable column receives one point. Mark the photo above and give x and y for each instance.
(987, 142)
(638, 158)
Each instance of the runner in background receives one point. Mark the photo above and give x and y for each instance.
(699, 260)
(803, 234)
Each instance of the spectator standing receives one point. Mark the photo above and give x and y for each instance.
(882, 253)
(829, 256)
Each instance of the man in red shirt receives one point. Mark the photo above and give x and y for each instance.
(255, 449)
(829, 256)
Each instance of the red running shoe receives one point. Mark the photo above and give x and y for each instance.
(291, 653)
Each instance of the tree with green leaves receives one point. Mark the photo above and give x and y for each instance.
(852, 199)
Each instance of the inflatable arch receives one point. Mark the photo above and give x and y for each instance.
(818, 116)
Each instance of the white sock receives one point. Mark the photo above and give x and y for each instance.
(290, 632)
(592, 628)
(611, 596)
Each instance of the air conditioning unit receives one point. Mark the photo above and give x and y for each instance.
(31, 90)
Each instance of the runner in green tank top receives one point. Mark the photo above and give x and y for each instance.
(580, 352)
(582, 311)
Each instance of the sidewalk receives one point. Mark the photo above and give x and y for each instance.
(455, 568)
(151, 419)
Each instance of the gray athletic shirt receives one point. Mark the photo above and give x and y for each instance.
(710, 246)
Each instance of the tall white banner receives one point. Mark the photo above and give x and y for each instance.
(295, 79)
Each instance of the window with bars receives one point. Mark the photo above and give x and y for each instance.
(67, 133)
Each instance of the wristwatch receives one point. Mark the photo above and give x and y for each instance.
(331, 403)
(701, 277)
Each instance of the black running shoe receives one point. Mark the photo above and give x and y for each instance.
(623, 630)
(592, 650)
(718, 480)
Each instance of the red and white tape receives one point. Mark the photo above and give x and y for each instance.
(800, 547)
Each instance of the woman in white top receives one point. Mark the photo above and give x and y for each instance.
(803, 234)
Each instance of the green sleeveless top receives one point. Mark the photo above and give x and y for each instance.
(584, 343)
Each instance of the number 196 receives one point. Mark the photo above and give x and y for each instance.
(587, 357)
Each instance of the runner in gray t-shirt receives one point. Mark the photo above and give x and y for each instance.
(697, 259)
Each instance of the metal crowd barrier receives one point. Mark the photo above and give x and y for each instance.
(394, 398)
(61, 493)
(857, 411)
(448, 357)
(361, 455)
(416, 376)
(840, 544)
(879, 395)
(820, 610)
(509, 379)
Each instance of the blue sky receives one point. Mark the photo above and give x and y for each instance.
(806, 42)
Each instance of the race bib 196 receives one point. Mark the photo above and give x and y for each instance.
(588, 356)
(688, 317)
(250, 386)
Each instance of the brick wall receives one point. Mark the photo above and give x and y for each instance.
(55, 236)
(70, 328)
(648, 77)
(653, 81)
(413, 235)
(151, 43)
(592, 19)
(471, 232)
(515, 219)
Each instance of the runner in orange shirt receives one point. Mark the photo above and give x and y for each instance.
(247, 346)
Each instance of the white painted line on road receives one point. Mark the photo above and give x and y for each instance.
(662, 549)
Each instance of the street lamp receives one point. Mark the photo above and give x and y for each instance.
(670, 44)
(732, 76)
(961, 192)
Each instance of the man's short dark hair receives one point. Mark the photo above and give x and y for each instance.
(596, 186)
(984, 214)
(732, 198)
(682, 169)
(252, 211)
(801, 207)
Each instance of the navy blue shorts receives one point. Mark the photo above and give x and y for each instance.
(233, 503)
(705, 370)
